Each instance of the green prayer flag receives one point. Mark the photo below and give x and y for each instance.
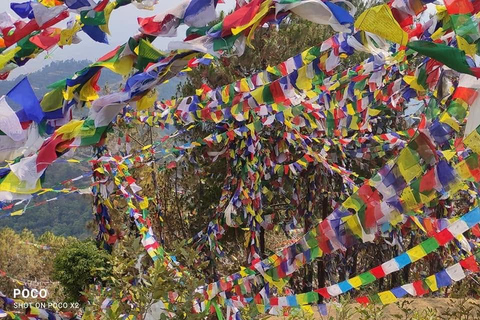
(92, 18)
(146, 54)
(52, 100)
(267, 95)
(367, 278)
(87, 141)
(225, 43)
(449, 56)
(429, 245)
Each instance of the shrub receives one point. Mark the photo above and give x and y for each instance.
(79, 264)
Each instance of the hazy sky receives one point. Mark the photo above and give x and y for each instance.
(123, 24)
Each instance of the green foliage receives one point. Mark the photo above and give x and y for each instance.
(299, 314)
(408, 312)
(461, 309)
(143, 285)
(79, 264)
(371, 311)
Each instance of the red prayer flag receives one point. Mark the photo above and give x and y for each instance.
(466, 94)
(323, 292)
(470, 264)
(428, 181)
(46, 39)
(419, 288)
(363, 300)
(47, 153)
(443, 237)
(240, 17)
(476, 231)
(378, 272)
(459, 6)
(101, 6)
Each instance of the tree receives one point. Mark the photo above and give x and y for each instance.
(79, 264)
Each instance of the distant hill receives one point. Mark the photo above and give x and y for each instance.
(67, 216)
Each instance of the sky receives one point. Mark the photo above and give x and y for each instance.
(123, 24)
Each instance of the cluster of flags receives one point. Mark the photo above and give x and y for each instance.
(315, 107)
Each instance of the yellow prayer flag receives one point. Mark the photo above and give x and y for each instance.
(311, 94)
(244, 85)
(473, 141)
(470, 49)
(387, 297)
(11, 183)
(108, 203)
(446, 118)
(355, 281)
(408, 165)
(88, 92)
(354, 225)
(396, 218)
(17, 213)
(71, 129)
(7, 56)
(107, 12)
(449, 154)
(122, 66)
(431, 282)
(144, 203)
(408, 198)
(66, 35)
(307, 310)
(379, 20)
(412, 81)
(419, 225)
(350, 109)
(350, 203)
(416, 253)
(303, 82)
(463, 170)
(147, 101)
(52, 100)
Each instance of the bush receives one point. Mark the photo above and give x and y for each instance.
(78, 265)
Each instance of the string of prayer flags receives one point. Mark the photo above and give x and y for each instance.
(432, 283)
(463, 224)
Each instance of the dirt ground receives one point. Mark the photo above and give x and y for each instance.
(417, 304)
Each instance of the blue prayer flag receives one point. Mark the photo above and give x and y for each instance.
(322, 309)
(23, 94)
(443, 279)
(23, 10)
(340, 14)
(402, 260)
(399, 292)
(345, 286)
(95, 33)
